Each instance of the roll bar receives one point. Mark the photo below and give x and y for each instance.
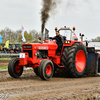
(67, 29)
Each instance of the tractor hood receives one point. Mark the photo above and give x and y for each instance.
(48, 45)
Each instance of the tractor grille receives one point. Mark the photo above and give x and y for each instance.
(29, 52)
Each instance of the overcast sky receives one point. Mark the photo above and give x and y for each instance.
(83, 14)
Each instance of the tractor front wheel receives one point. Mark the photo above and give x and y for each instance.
(46, 69)
(14, 69)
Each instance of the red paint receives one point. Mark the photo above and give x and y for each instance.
(72, 42)
(48, 70)
(17, 68)
(50, 46)
(23, 61)
(80, 61)
(57, 59)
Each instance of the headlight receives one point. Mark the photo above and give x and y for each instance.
(67, 42)
(43, 41)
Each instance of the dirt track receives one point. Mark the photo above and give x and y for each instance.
(4, 62)
(31, 87)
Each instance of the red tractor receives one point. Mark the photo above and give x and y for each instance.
(42, 57)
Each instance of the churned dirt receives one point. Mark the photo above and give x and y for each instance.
(31, 87)
(4, 62)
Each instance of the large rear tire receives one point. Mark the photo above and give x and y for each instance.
(74, 59)
(46, 69)
(14, 69)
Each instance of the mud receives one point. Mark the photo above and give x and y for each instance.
(4, 62)
(31, 87)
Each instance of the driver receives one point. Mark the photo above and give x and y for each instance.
(59, 40)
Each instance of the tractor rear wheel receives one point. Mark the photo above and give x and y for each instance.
(74, 59)
(46, 69)
(14, 69)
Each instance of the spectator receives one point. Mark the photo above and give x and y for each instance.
(16, 50)
(19, 50)
(8, 50)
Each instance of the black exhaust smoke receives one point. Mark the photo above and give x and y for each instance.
(47, 7)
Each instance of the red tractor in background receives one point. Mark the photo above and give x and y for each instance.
(42, 57)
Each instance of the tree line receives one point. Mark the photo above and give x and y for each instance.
(15, 36)
(31, 36)
(96, 39)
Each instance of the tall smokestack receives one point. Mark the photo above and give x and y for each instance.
(47, 7)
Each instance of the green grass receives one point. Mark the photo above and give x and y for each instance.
(6, 67)
(5, 58)
(3, 67)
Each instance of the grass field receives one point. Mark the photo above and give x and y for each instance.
(5, 58)
(3, 67)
